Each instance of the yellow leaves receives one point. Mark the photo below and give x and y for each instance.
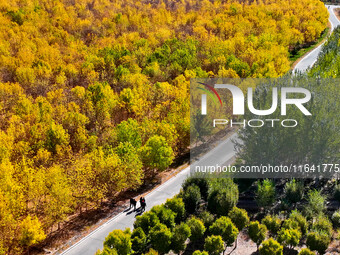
(32, 231)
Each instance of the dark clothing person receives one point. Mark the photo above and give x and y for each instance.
(133, 203)
(142, 204)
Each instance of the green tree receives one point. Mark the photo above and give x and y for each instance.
(257, 232)
(179, 236)
(300, 219)
(294, 191)
(160, 238)
(157, 154)
(120, 241)
(176, 205)
(197, 228)
(200, 182)
(165, 215)
(239, 217)
(191, 198)
(200, 253)
(146, 221)
(273, 223)
(129, 131)
(224, 227)
(207, 218)
(138, 240)
(315, 203)
(265, 194)
(318, 241)
(271, 247)
(223, 197)
(306, 251)
(289, 237)
(336, 219)
(214, 245)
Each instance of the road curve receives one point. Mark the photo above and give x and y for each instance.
(310, 58)
(222, 153)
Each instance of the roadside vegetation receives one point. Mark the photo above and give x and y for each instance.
(94, 96)
(304, 227)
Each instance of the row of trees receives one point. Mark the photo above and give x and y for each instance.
(195, 215)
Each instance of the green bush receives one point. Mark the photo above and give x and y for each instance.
(273, 223)
(336, 219)
(271, 247)
(336, 194)
(290, 224)
(197, 228)
(257, 232)
(323, 224)
(202, 183)
(207, 218)
(225, 228)
(223, 197)
(200, 253)
(294, 191)
(315, 203)
(214, 245)
(160, 238)
(191, 198)
(300, 219)
(146, 221)
(177, 206)
(317, 241)
(265, 194)
(165, 215)
(289, 237)
(239, 217)
(120, 241)
(306, 251)
(138, 240)
(180, 234)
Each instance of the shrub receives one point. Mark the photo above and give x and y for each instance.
(271, 247)
(290, 224)
(146, 221)
(177, 206)
(160, 238)
(223, 198)
(257, 232)
(289, 237)
(214, 245)
(202, 183)
(300, 219)
(180, 234)
(120, 241)
(207, 218)
(294, 191)
(336, 219)
(265, 194)
(239, 217)
(337, 192)
(273, 223)
(191, 198)
(315, 203)
(317, 241)
(306, 251)
(152, 252)
(225, 228)
(323, 224)
(200, 253)
(197, 228)
(165, 215)
(138, 240)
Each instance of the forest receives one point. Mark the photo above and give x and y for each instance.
(94, 94)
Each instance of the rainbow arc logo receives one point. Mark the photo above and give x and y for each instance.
(208, 89)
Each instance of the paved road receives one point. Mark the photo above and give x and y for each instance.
(311, 57)
(222, 153)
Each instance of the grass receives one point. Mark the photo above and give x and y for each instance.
(296, 54)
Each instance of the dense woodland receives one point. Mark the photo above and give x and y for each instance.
(94, 94)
